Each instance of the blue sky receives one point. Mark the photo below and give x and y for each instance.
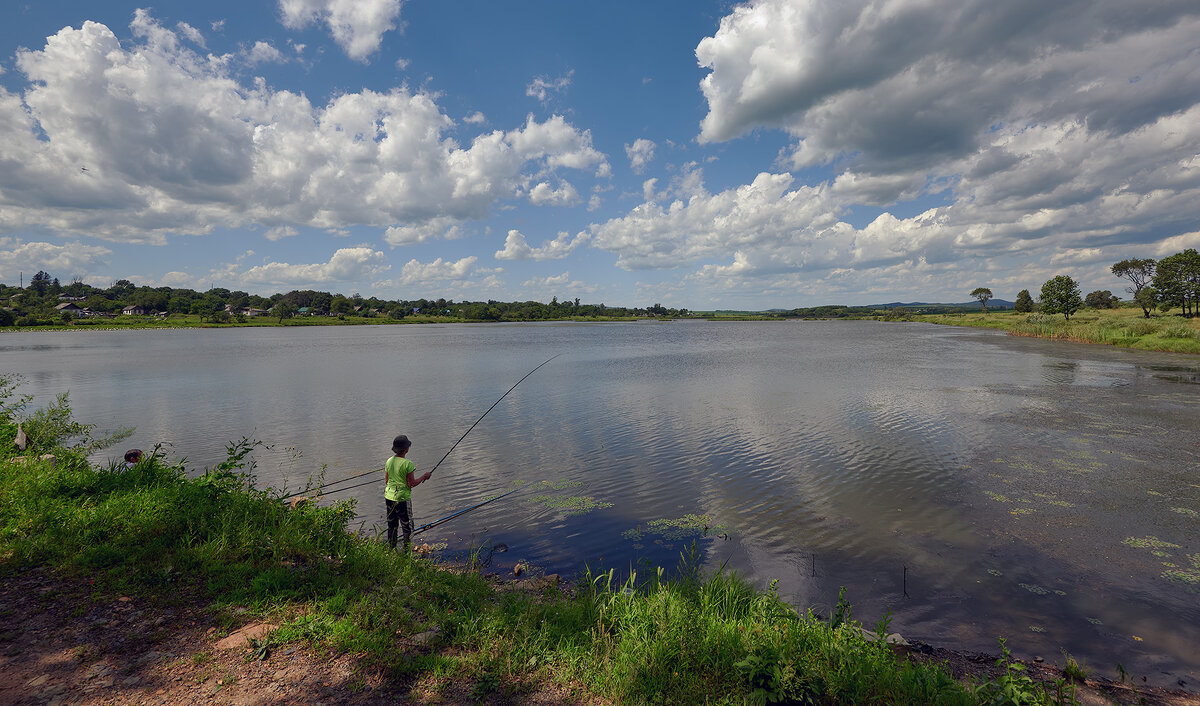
(705, 155)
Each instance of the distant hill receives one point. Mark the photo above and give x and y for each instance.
(992, 304)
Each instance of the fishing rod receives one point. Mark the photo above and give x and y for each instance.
(453, 515)
(435, 466)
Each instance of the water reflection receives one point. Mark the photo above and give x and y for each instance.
(1004, 478)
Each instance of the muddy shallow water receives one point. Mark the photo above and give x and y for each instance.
(973, 484)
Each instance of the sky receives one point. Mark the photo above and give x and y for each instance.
(689, 153)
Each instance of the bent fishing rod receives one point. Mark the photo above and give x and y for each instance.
(322, 488)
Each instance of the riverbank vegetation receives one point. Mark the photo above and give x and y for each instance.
(1125, 327)
(47, 302)
(161, 534)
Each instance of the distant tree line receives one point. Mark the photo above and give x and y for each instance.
(47, 301)
(1170, 283)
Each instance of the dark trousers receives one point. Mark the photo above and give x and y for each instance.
(397, 514)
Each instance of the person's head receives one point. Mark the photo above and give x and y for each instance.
(400, 445)
(133, 455)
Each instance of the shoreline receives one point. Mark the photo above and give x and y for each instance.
(1121, 328)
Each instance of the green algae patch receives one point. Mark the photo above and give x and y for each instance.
(1151, 542)
(1189, 575)
(997, 497)
(562, 484)
(1186, 511)
(689, 525)
(571, 505)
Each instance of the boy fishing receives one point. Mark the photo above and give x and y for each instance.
(399, 480)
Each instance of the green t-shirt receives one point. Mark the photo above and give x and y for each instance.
(397, 475)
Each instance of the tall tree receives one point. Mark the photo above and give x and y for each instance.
(1024, 302)
(1140, 272)
(1060, 295)
(983, 294)
(1178, 281)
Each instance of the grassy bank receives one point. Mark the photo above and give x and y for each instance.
(1125, 327)
(215, 543)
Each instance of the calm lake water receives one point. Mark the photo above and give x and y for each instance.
(1042, 491)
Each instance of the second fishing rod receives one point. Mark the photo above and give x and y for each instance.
(322, 489)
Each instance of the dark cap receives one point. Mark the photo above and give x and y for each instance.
(133, 455)
(400, 443)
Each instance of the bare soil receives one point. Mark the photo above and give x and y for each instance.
(64, 642)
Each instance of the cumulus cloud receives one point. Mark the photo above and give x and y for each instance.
(346, 265)
(445, 228)
(543, 87)
(135, 143)
(280, 232)
(640, 153)
(264, 53)
(1035, 133)
(516, 248)
(416, 272)
(476, 118)
(357, 26)
(75, 258)
(545, 195)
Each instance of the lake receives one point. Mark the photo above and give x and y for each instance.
(974, 484)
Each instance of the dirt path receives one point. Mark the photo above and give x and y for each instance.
(63, 643)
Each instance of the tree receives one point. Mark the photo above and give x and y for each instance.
(1101, 299)
(284, 310)
(40, 282)
(7, 318)
(1178, 282)
(1024, 303)
(1140, 273)
(983, 294)
(1060, 295)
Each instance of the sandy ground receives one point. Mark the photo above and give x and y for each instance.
(61, 642)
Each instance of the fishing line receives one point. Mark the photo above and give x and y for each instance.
(435, 466)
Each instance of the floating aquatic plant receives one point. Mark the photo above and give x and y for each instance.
(573, 505)
(1150, 542)
(996, 496)
(1186, 511)
(1022, 511)
(1034, 589)
(1189, 575)
(994, 572)
(1095, 621)
(1037, 628)
(562, 484)
(673, 529)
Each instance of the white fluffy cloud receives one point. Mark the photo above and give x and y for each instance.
(640, 153)
(545, 195)
(516, 247)
(73, 259)
(417, 273)
(346, 265)
(1041, 135)
(357, 26)
(137, 143)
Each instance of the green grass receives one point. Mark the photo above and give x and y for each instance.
(682, 636)
(1125, 327)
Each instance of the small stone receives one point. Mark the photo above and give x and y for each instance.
(1038, 659)
(124, 599)
(131, 680)
(38, 681)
